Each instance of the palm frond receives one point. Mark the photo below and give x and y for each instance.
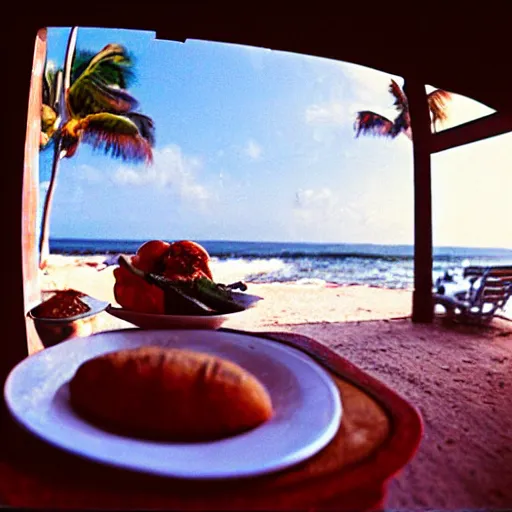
(145, 125)
(111, 62)
(113, 71)
(48, 117)
(401, 102)
(117, 135)
(46, 90)
(91, 95)
(437, 102)
(49, 79)
(81, 60)
(100, 85)
(50, 70)
(402, 124)
(373, 124)
(49, 125)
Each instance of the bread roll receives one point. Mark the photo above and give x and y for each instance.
(169, 393)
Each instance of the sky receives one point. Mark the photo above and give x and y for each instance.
(258, 145)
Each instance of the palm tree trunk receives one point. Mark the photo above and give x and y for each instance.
(70, 54)
(44, 241)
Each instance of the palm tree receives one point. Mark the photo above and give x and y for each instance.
(52, 91)
(88, 102)
(368, 122)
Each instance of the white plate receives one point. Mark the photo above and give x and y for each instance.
(306, 402)
(152, 321)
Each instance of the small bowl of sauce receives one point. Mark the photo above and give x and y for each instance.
(66, 314)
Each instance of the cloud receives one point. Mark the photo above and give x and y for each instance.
(322, 206)
(333, 112)
(317, 207)
(310, 198)
(171, 169)
(90, 174)
(43, 188)
(328, 215)
(253, 150)
(368, 84)
(349, 89)
(51, 66)
(370, 90)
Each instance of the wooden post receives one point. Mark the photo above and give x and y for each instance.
(422, 304)
(19, 197)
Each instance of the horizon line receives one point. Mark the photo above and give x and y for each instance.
(282, 242)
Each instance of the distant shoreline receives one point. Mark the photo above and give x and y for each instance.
(97, 262)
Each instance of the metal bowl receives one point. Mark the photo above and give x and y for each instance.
(54, 330)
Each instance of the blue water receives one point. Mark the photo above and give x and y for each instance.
(389, 266)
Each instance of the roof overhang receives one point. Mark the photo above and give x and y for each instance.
(460, 54)
(479, 129)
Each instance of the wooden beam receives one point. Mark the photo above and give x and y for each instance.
(473, 131)
(422, 304)
(30, 198)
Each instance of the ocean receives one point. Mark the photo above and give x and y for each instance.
(388, 266)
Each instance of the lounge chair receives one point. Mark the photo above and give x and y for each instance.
(488, 291)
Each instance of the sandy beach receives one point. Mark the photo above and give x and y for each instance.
(283, 304)
(459, 377)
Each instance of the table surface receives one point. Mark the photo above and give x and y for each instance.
(379, 434)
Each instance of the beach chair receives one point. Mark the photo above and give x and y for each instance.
(489, 290)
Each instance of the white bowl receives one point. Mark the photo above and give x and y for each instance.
(154, 321)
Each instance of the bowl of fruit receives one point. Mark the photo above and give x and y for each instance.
(170, 286)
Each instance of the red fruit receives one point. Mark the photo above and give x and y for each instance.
(133, 293)
(186, 260)
(149, 256)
